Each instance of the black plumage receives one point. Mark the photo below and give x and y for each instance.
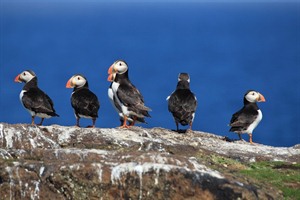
(84, 102)
(249, 116)
(127, 99)
(182, 103)
(130, 96)
(118, 108)
(37, 102)
(242, 119)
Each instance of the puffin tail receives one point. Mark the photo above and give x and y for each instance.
(235, 129)
(184, 122)
(55, 115)
(144, 110)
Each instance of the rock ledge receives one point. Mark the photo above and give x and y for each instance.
(56, 162)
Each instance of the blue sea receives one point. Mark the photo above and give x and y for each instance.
(226, 47)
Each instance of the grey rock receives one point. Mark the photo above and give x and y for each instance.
(57, 162)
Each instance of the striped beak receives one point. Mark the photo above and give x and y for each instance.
(18, 79)
(111, 72)
(69, 83)
(111, 69)
(261, 98)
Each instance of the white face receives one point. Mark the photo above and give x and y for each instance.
(120, 67)
(252, 96)
(26, 76)
(78, 81)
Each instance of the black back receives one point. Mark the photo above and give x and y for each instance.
(130, 96)
(36, 100)
(85, 102)
(182, 103)
(242, 119)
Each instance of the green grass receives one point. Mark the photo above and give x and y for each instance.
(283, 176)
(227, 162)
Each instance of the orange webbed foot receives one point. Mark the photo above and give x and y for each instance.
(124, 126)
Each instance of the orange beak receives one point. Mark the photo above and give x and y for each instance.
(110, 78)
(69, 83)
(17, 79)
(110, 71)
(261, 98)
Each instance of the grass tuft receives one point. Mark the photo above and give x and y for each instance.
(284, 176)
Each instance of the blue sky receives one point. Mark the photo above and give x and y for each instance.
(225, 49)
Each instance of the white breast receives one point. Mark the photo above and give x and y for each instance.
(110, 95)
(111, 98)
(255, 123)
(125, 110)
(115, 87)
(21, 95)
(112, 92)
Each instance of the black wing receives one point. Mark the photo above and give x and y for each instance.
(131, 97)
(242, 119)
(118, 107)
(38, 101)
(85, 103)
(182, 104)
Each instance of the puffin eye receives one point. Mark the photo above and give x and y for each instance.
(24, 74)
(120, 64)
(253, 93)
(78, 78)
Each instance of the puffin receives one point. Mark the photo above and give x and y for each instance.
(182, 103)
(246, 119)
(34, 100)
(125, 97)
(117, 107)
(84, 102)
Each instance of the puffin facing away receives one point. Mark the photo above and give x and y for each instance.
(182, 103)
(84, 102)
(33, 99)
(125, 97)
(246, 119)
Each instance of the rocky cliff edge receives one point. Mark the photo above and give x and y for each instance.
(57, 162)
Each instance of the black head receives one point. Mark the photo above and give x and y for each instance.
(25, 76)
(77, 81)
(253, 96)
(184, 77)
(118, 70)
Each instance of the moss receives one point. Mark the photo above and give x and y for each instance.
(219, 162)
(280, 175)
(227, 162)
(283, 176)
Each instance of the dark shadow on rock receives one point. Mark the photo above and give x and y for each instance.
(227, 139)
(180, 131)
